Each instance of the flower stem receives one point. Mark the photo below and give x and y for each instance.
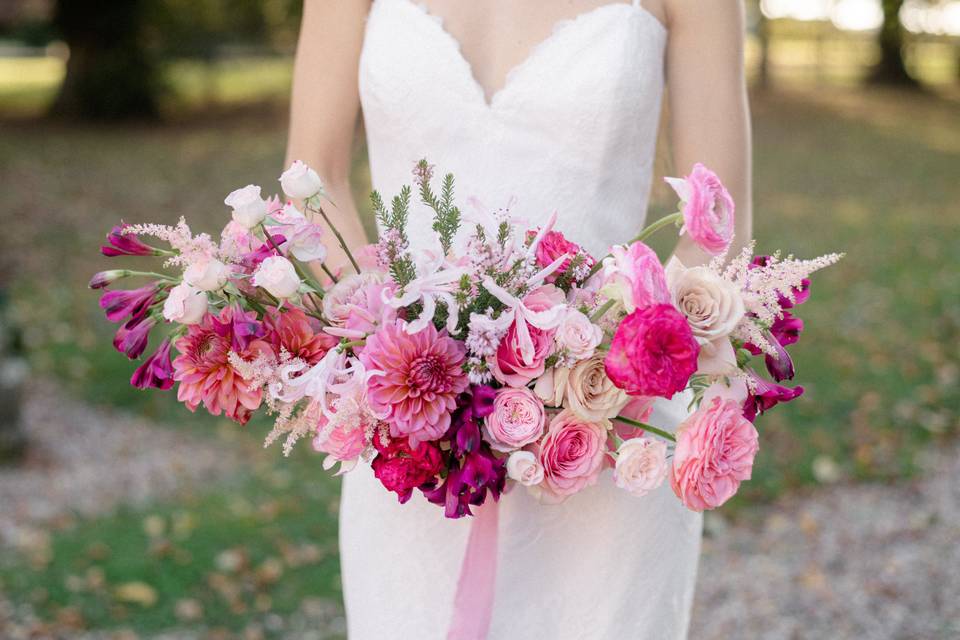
(646, 427)
(336, 232)
(665, 221)
(599, 313)
(329, 273)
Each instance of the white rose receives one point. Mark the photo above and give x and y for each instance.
(641, 465)
(524, 467)
(185, 304)
(300, 181)
(277, 275)
(712, 305)
(577, 335)
(249, 209)
(207, 275)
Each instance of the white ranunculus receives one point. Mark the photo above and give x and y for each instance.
(185, 304)
(712, 305)
(641, 465)
(577, 335)
(300, 181)
(207, 275)
(249, 209)
(524, 467)
(277, 275)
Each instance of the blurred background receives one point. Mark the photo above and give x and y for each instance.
(124, 516)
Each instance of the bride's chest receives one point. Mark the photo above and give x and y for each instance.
(601, 70)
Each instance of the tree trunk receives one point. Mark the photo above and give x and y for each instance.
(891, 69)
(13, 374)
(111, 74)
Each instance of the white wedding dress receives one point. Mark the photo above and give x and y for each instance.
(572, 130)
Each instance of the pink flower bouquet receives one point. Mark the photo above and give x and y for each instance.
(505, 355)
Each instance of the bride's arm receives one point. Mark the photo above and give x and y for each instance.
(324, 107)
(709, 115)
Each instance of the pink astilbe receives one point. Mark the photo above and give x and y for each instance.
(204, 371)
(190, 248)
(420, 376)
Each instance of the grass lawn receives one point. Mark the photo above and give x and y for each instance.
(873, 174)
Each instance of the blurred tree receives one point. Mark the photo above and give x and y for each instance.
(891, 68)
(111, 73)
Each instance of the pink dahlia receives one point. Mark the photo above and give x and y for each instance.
(422, 377)
(653, 352)
(297, 333)
(204, 372)
(715, 451)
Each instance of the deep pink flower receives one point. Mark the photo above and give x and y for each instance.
(714, 454)
(401, 467)
(157, 371)
(482, 397)
(132, 338)
(132, 303)
(298, 334)
(553, 245)
(653, 352)
(122, 243)
(240, 327)
(572, 454)
(634, 275)
(786, 330)
(708, 209)
(508, 364)
(422, 377)
(765, 395)
(204, 371)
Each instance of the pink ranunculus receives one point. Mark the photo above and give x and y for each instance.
(634, 276)
(402, 467)
(508, 364)
(553, 245)
(572, 454)
(708, 209)
(653, 352)
(422, 375)
(714, 454)
(517, 419)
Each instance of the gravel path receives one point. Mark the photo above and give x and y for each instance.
(86, 461)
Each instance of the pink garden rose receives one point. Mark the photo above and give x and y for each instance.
(714, 454)
(641, 465)
(422, 377)
(517, 419)
(571, 454)
(508, 364)
(634, 276)
(708, 209)
(653, 352)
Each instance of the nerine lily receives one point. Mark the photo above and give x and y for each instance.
(325, 377)
(436, 280)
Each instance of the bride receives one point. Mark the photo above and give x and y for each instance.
(541, 105)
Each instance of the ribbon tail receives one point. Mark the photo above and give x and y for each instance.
(473, 603)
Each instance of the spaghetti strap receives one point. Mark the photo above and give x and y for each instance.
(636, 4)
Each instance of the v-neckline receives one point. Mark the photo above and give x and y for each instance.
(535, 51)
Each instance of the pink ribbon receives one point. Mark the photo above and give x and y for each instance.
(473, 603)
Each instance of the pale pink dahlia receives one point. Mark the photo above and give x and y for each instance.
(203, 369)
(422, 377)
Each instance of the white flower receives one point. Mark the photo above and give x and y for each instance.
(207, 275)
(249, 209)
(185, 304)
(277, 275)
(712, 305)
(435, 279)
(524, 467)
(641, 465)
(577, 335)
(300, 181)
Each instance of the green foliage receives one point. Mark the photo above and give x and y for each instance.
(446, 215)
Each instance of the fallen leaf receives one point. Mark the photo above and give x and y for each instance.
(136, 593)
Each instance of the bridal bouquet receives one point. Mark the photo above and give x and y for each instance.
(499, 353)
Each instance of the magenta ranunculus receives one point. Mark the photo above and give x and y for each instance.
(156, 371)
(553, 245)
(508, 364)
(572, 454)
(422, 377)
(708, 209)
(633, 274)
(517, 419)
(653, 352)
(714, 454)
(401, 468)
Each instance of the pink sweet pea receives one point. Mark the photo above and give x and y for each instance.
(708, 209)
(714, 454)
